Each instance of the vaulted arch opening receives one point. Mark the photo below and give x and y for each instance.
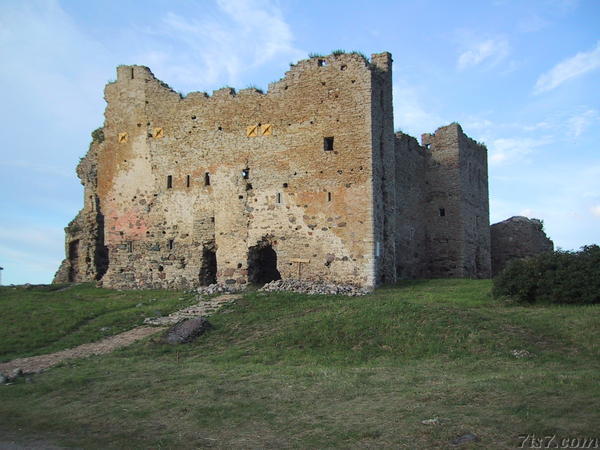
(262, 263)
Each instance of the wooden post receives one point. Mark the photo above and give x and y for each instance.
(300, 261)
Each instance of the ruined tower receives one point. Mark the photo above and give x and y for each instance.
(307, 180)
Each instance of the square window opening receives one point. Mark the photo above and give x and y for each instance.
(328, 143)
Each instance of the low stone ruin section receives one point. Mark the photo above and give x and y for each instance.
(314, 287)
(517, 237)
(219, 288)
(187, 330)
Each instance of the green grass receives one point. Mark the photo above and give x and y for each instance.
(286, 370)
(44, 319)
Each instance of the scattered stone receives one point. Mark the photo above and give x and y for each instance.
(104, 329)
(16, 373)
(521, 354)
(139, 305)
(213, 289)
(202, 308)
(314, 287)
(434, 421)
(469, 437)
(187, 330)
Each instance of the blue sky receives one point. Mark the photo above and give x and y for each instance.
(521, 76)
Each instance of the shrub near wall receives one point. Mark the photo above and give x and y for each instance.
(557, 277)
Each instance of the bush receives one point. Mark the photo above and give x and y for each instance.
(556, 277)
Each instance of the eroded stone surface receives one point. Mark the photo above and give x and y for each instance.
(202, 308)
(306, 181)
(517, 237)
(187, 330)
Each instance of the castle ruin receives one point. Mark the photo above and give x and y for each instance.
(306, 181)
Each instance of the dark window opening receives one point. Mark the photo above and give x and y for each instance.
(262, 264)
(427, 146)
(170, 244)
(328, 144)
(130, 246)
(208, 267)
(132, 73)
(246, 173)
(193, 117)
(442, 212)
(169, 181)
(279, 197)
(207, 179)
(212, 220)
(187, 181)
(285, 185)
(249, 186)
(329, 196)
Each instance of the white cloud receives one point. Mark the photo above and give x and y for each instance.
(490, 51)
(572, 67)
(579, 123)
(511, 150)
(410, 112)
(219, 49)
(595, 210)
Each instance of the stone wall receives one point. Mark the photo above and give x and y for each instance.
(232, 171)
(412, 253)
(517, 237)
(307, 180)
(457, 208)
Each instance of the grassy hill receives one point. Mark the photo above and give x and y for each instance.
(290, 370)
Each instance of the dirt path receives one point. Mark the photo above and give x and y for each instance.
(36, 364)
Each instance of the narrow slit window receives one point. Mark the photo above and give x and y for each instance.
(442, 212)
(187, 181)
(279, 197)
(169, 181)
(329, 196)
(132, 73)
(328, 144)
(207, 179)
(130, 246)
(170, 244)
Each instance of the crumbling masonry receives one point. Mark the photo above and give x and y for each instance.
(308, 180)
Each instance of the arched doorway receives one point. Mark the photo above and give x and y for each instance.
(262, 263)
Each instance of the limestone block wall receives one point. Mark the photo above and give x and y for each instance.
(291, 168)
